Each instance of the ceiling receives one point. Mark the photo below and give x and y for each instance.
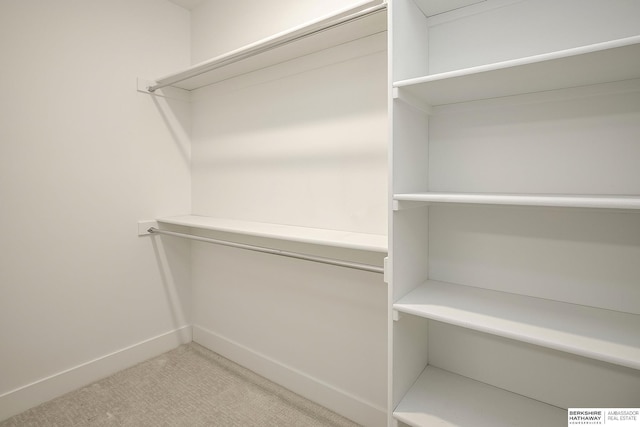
(187, 4)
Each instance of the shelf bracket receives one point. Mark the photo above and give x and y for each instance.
(144, 86)
(387, 270)
(145, 226)
(412, 101)
(395, 315)
(401, 205)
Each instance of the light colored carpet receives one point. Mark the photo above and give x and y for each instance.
(189, 386)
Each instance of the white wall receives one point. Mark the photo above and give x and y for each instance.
(302, 143)
(83, 157)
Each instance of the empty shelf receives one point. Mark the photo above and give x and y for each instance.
(600, 334)
(365, 19)
(440, 398)
(316, 236)
(587, 65)
(568, 201)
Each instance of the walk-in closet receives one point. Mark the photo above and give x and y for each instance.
(322, 212)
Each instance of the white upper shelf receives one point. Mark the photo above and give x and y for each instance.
(605, 62)
(565, 201)
(316, 236)
(364, 19)
(600, 334)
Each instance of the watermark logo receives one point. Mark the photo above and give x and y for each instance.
(621, 417)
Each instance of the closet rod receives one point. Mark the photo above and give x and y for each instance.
(244, 53)
(354, 265)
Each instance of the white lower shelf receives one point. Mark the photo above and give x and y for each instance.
(567, 201)
(600, 334)
(316, 236)
(440, 398)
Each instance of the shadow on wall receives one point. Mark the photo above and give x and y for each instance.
(174, 110)
(172, 256)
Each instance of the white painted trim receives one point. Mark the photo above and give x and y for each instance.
(314, 389)
(43, 390)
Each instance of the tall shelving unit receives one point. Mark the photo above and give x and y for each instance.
(515, 211)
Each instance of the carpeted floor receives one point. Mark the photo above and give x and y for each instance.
(189, 386)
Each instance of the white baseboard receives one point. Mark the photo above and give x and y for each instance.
(28, 396)
(339, 401)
